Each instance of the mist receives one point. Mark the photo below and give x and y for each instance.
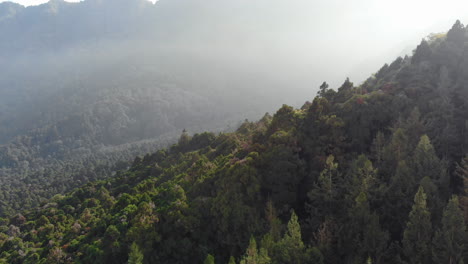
(297, 43)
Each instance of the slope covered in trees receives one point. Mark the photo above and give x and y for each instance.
(375, 173)
(85, 85)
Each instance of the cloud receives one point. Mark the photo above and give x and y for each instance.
(38, 2)
(35, 2)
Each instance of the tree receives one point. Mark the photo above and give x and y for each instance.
(323, 89)
(209, 259)
(414, 126)
(290, 249)
(396, 151)
(449, 241)
(347, 85)
(322, 197)
(378, 147)
(461, 172)
(255, 256)
(362, 177)
(135, 256)
(232, 260)
(364, 238)
(427, 164)
(422, 52)
(399, 198)
(418, 232)
(457, 33)
(184, 140)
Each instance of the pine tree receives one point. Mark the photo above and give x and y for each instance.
(414, 127)
(184, 140)
(322, 196)
(399, 198)
(135, 256)
(291, 249)
(461, 173)
(273, 221)
(378, 147)
(362, 177)
(457, 33)
(449, 241)
(365, 236)
(426, 162)
(232, 260)
(323, 89)
(255, 256)
(209, 259)
(396, 151)
(422, 52)
(417, 235)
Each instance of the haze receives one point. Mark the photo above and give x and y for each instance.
(321, 40)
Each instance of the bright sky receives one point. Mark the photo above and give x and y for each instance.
(34, 2)
(365, 32)
(38, 2)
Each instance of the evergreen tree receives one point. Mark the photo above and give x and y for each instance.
(135, 256)
(378, 147)
(457, 33)
(362, 177)
(209, 259)
(290, 249)
(184, 140)
(365, 238)
(323, 89)
(322, 196)
(255, 256)
(461, 173)
(414, 127)
(426, 162)
(396, 151)
(449, 241)
(418, 232)
(422, 52)
(347, 85)
(399, 198)
(232, 260)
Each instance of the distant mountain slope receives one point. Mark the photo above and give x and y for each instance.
(81, 79)
(376, 173)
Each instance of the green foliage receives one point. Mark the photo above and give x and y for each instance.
(253, 255)
(209, 259)
(290, 248)
(418, 233)
(232, 260)
(449, 241)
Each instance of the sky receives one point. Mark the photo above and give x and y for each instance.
(34, 2)
(38, 2)
(358, 35)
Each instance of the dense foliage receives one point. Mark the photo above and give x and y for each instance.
(368, 174)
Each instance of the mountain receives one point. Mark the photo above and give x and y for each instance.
(373, 173)
(87, 86)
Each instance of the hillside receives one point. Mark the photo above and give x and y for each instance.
(375, 173)
(87, 85)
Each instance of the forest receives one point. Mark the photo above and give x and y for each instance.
(375, 173)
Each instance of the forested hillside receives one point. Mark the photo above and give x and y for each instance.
(87, 85)
(374, 173)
